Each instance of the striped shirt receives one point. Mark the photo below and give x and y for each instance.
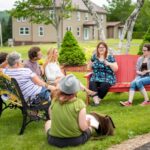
(24, 78)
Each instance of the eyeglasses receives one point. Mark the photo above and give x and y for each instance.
(101, 47)
(144, 50)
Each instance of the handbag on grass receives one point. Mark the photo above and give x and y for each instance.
(103, 124)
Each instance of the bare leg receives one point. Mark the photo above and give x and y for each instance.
(131, 95)
(144, 93)
(47, 125)
(89, 92)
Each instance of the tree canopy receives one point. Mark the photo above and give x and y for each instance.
(119, 10)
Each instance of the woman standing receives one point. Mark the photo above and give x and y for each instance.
(142, 78)
(103, 77)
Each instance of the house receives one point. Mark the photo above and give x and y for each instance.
(114, 29)
(80, 23)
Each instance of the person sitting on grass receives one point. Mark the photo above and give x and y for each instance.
(30, 84)
(142, 78)
(68, 125)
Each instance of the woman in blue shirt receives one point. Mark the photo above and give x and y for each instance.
(103, 77)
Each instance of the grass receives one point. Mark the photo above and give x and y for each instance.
(129, 121)
(88, 47)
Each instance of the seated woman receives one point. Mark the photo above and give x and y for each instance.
(29, 83)
(53, 71)
(142, 78)
(68, 125)
(103, 77)
(51, 67)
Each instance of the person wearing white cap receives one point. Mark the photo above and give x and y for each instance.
(68, 125)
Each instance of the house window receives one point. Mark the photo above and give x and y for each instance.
(41, 31)
(86, 33)
(78, 16)
(22, 19)
(78, 31)
(86, 16)
(68, 28)
(24, 31)
(101, 17)
(51, 13)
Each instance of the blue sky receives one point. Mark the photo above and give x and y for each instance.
(8, 4)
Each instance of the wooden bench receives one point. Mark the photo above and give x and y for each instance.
(125, 74)
(9, 86)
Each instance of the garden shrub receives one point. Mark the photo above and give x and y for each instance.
(70, 52)
(145, 40)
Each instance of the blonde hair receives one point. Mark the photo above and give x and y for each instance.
(50, 57)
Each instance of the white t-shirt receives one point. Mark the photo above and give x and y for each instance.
(53, 71)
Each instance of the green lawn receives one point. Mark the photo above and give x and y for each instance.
(129, 121)
(88, 47)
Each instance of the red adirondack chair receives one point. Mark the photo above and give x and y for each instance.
(125, 74)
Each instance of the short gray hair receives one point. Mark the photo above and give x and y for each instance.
(13, 58)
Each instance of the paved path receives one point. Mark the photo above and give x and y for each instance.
(141, 142)
(144, 147)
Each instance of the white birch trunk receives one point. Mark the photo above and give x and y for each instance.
(96, 18)
(129, 25)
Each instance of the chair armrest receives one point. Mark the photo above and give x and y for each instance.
(88, 75)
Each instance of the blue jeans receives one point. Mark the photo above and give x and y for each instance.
(45, 94)
(139, 83)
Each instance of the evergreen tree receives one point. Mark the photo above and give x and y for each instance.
(71, 53)
(145, 40)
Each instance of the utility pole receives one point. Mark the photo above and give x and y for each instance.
(1, 35)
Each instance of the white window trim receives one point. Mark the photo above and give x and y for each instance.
(51, 12)
(78, 16)
(18, 19)
(24, 31)
(86, 18)
(68, 28)
(78, 31)
(40, 31)
(22, 19)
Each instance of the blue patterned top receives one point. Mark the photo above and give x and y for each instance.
(101, 72)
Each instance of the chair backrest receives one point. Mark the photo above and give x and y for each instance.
(9, 87)
(127, 67)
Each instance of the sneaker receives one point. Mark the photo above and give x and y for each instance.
(145, 103)
(126, 103)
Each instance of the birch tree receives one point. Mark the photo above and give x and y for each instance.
(39, 12)
(129, 25)
(99, 22)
